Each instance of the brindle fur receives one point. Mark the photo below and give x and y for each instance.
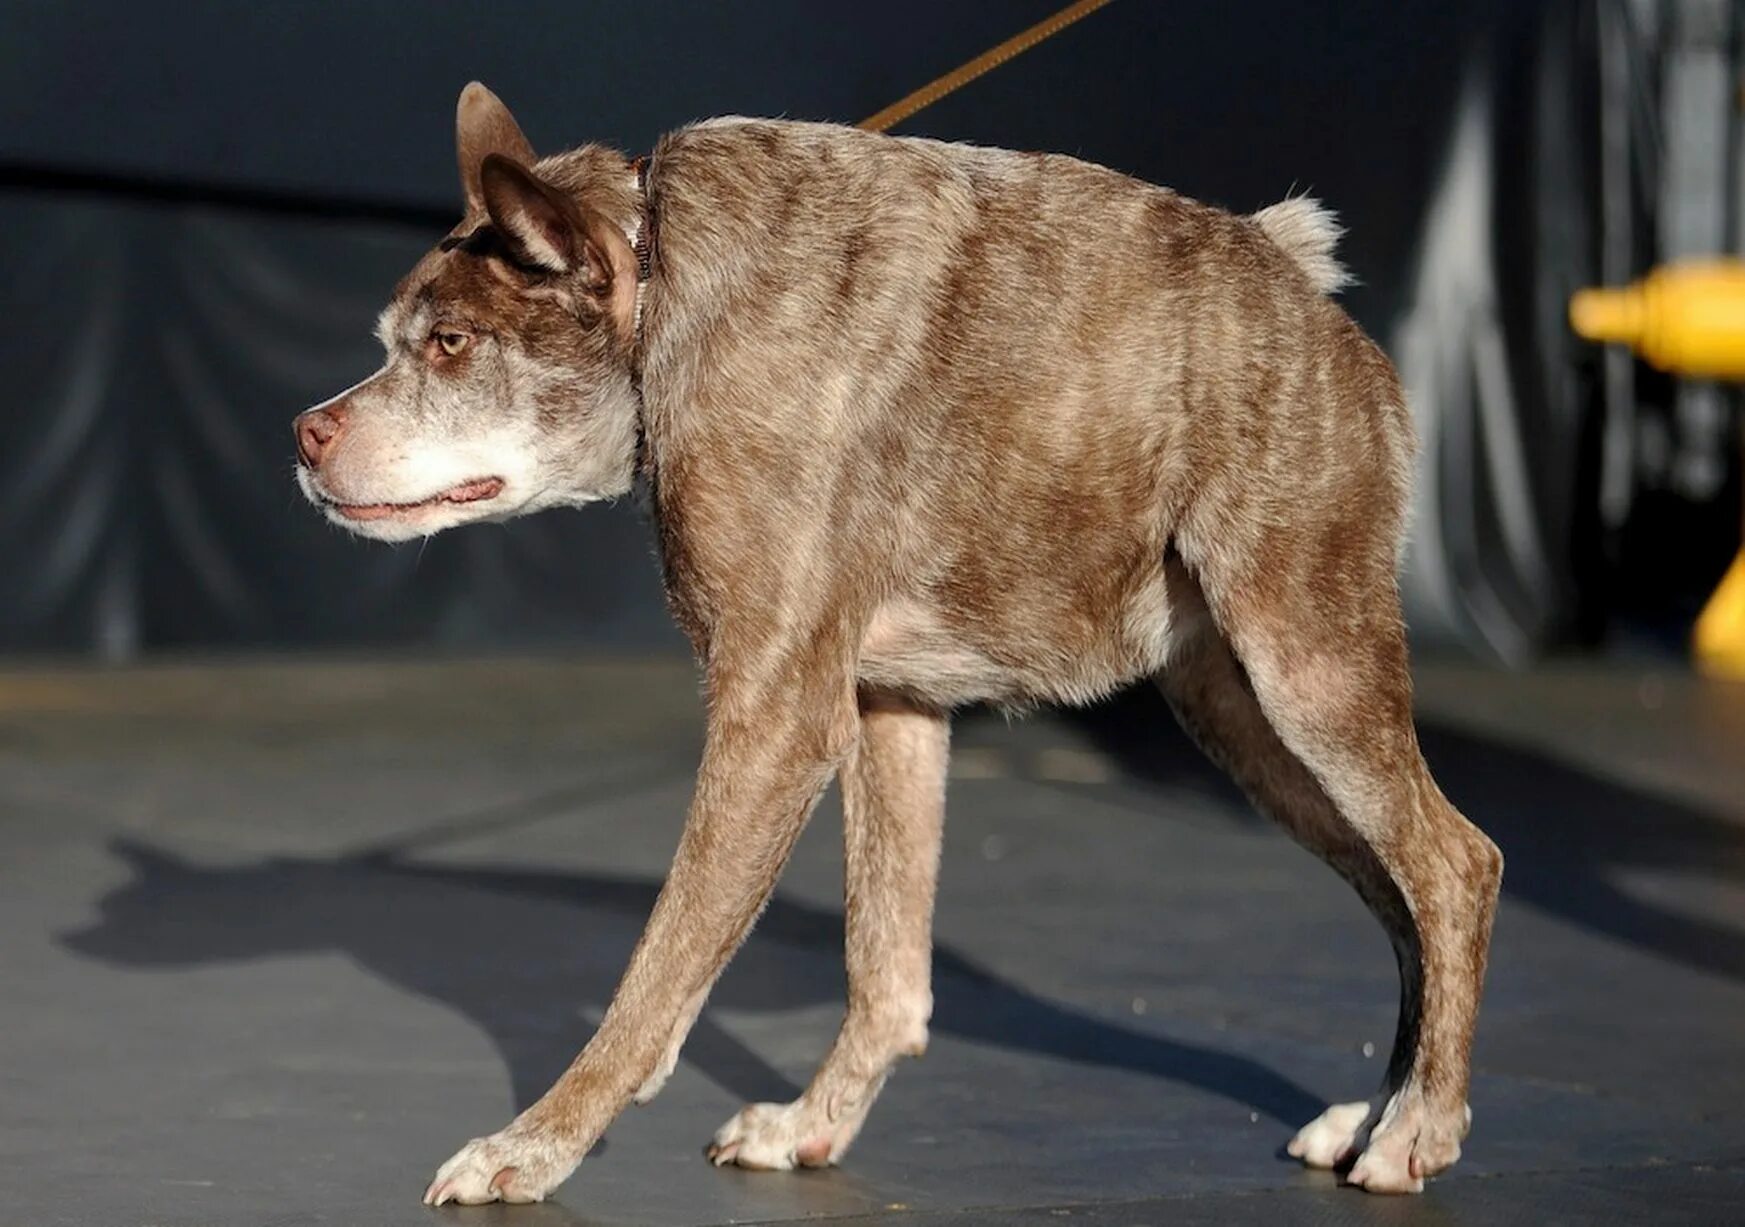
(927, 425)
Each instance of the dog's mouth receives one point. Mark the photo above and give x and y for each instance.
(478, 490)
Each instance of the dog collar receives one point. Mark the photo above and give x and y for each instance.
(642, 240)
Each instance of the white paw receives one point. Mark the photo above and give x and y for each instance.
(1331, 1138)
(511, 1166)
(1409, 1143)
(777, 1137)
(1385, 1169)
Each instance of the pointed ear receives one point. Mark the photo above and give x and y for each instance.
(482, 127)
(541, 229)
(532, 218)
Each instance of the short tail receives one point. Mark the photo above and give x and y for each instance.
(1307, 232)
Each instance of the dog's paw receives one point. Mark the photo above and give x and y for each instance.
(1410, 1142)
(1332, 1137)
(777, 1137)
(512, 1166)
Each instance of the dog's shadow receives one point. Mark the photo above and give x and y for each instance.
(1570, 837)
(532, 957)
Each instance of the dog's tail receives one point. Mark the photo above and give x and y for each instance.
(1307, 231)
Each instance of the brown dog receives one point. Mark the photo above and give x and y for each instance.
(929, 425)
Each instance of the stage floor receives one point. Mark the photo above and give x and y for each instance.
(278, 937)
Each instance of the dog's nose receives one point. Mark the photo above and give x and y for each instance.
(316, 429)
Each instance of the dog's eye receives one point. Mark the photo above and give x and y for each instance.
(451, 343)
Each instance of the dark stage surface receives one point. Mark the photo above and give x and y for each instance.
(280, 937)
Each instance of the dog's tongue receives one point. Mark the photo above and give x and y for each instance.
(473, 491)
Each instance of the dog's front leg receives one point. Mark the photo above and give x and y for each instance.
(775, 737)
(893, 808)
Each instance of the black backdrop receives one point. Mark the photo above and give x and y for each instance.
(203, 205)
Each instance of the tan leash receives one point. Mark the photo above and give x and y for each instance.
(987, 61)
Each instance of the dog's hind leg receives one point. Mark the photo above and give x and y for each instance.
(893, 800)
(1313, 720)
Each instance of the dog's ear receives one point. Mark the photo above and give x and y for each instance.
(542, 229)
(532, 218)
(482, 127)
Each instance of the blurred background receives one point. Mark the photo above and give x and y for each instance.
(341, 868)
(204, 204)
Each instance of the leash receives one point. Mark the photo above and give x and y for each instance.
(984, 63)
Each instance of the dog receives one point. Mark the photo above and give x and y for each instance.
(924, 425)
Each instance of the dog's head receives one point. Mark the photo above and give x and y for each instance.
(508, 384)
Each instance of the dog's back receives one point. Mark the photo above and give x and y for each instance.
(1003, 386)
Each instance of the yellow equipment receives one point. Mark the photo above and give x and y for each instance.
(1689, 320)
